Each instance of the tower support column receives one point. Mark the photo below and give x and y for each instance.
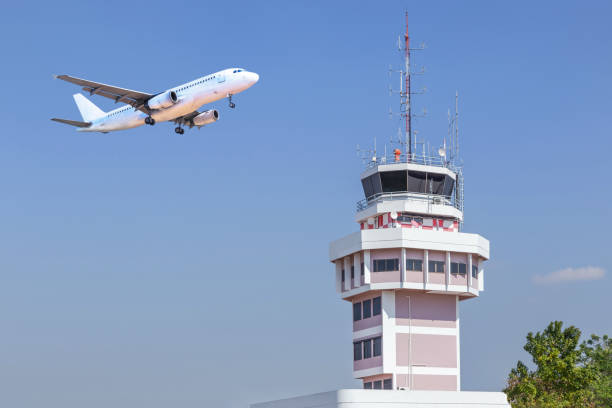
(469, 272)
(425, 268)
(357, 265)
(347, 273)
(388, 332)
(447, 268)
(366, 267)
(403, 265)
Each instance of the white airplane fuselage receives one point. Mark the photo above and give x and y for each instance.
(190, 97)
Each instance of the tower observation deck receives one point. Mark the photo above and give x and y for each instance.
(405, 272)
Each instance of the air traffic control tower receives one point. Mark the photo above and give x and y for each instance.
(406, 272)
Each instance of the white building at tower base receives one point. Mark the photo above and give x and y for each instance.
(353, 398)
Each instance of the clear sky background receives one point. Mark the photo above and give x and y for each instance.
(148, 269)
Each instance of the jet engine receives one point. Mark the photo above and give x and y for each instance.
(206, 117)
(163, 100)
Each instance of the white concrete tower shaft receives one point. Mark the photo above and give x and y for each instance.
(405, 273)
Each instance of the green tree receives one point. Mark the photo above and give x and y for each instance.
(597, 355)
(563, 378)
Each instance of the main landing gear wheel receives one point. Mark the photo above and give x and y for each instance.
(149, 121)
(179, 130)
(231, 104)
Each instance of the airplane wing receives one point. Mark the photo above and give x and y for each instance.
(133, 98)
(186, 119)
(73, 122)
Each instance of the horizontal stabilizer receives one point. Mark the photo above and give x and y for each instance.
(73, 122)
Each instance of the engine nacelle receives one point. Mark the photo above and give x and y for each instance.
(206, 117)
(163, 100)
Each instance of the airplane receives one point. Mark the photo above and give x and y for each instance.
(178, 104)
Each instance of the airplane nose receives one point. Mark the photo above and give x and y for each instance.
(252, 77)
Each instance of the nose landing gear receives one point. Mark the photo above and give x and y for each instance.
(231, 104)
(149, 121)
(179, 130)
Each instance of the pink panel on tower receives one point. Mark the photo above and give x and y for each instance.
(474, 280)
(368, 295)
(426, 309)
(414, 277)
(367, 363)
(367, 323)
(384, 253)
(382, 277)
(437, 256)
(456, 279)
(428, 382)
(429, 350)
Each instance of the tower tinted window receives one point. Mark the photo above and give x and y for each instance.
(386, 265)
(378, 385)
(435, 183)
(367, 348)
(474, 271)
(371, 185)
(458, 268)
(388, 384)
(352, 272)
(436, 266)
(414, 264)
(416, 181)
(367, 308)
(356, 312)
(377, 345)
(393, 181)
(376, 306)
(357, 351)
(367, 386)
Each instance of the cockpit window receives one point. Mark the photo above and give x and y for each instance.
(237, 70)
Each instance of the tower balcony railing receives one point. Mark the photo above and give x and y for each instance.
(436, 161)
(431, 199)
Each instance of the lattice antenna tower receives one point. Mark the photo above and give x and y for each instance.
(453, 133)
(405, 93)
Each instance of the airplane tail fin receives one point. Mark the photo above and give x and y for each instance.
(88, 110)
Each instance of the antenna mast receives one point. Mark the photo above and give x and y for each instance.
(408, 114)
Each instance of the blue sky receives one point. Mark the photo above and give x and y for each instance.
(144, 268)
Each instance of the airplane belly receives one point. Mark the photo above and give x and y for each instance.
(184, 107)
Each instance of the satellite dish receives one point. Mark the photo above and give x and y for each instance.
(394, 215)
(371, 221)
(374, 159)
(442, 152)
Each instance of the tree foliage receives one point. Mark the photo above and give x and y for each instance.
(566, 375)
(597, 354)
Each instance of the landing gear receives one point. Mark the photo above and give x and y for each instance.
(231, 104)
(179, 130)
(149, 121)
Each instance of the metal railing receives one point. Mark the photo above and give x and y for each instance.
(436, 161)
(432, 199)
